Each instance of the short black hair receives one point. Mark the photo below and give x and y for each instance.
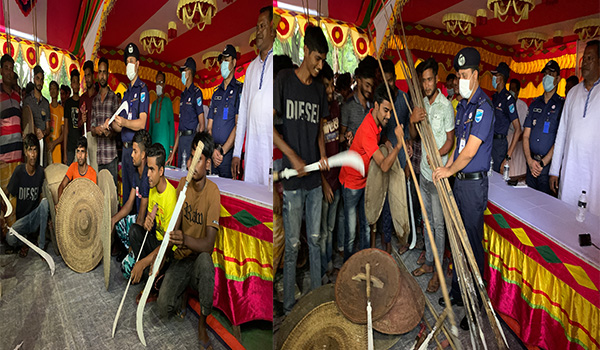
(388, 67)
(66, 89)
(143, 139)
(157, 150)
(53, 82)
(281, 62)
(6, 58)
(381, 94)
(326, 72)
(451, 76)
(596, 43)
(207, 140)
(30, 140)
(367, 68)
(88, 65)
(343, 81)
(160, 72)
(432, 64)
(420, 68)
(29, 88)
(517, 82)
(314, 40)
(103, 60)
(37, 70)
(75, 73)
(267, 9)
(573, 80)
(81, 142)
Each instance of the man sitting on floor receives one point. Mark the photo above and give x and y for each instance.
(79, 169)
(194, 236)
(26, 185)
(161, 203)
(137, 202)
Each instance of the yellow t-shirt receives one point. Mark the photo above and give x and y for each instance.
(166, 204)
(57, 116)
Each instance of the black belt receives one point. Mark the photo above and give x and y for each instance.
(499, 136)
(471, 176)
(186, 132)
(127, 144)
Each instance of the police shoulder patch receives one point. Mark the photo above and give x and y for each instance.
(143, 96)
(199, 101)
(511, 108)
(478, 115)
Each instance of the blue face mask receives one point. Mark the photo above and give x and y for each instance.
(494, 82)
(548, 83)
(225, 69)
(183, 80)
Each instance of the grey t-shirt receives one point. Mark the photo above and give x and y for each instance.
(40, 110)
(353, 113)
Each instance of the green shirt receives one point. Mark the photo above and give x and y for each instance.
(161, 126)
(441, 117)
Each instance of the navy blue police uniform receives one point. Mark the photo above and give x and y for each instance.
(138, 100)
(190, 107)
(505, 111)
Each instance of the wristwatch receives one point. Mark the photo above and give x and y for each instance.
(542, 162)
(507, 157)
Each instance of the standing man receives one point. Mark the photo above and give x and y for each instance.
(85, 107)
(505, 110)
(541, 127)
(104, 105)
(223, 113)
(358, 106)
(471, 160)
(576, 156)
(40, 109)
(65, 93)
(191, 113)
(254, 119)
(57, 115)
(161, 126)
(127, 124)
(72, 130)
(302, 142)
(518, 164)
(441, 117)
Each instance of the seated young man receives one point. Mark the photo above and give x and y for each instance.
(137, 203)
(161, 203)
(78, 169)
(32, 210)
(194, 236)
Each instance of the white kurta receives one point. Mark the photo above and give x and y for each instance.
(576, 156)
(255, 121)
(518, 164)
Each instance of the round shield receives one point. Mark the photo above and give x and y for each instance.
(106, 236)
(54, 174)
(398, 201)
(350, 286)
(326, 328)
(107, 185)
(408, 309)
(78, 223)
(375, 190)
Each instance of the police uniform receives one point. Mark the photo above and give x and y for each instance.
(473, 118)
(138, 99)
(543, 119)
(505, 111)
(223, 108)
(190, 106)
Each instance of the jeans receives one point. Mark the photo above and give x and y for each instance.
(353, 200)
(499, 150)
(341, 223)
(196, 272)
(28, 224)
(328, 218)
(294, 203)
(542, 182)
(113, 168)
(433, 206)
(224, 169)
(127, 171)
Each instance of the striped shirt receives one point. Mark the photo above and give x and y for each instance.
(102, 110)
(11, 142)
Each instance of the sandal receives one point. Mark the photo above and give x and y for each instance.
(403, 250)
(421, 259)
(421, 271)
(24, 251)
(433, 285)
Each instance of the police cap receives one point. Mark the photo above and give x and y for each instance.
(467, 58)
(502, 69)
(131, 50)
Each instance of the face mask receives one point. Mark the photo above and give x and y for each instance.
(225, 69)
(131, 71)
(513, 94)
(183, 78)
(463, 88)
(450, 92)
(494, 82)
(159, 90)
(548, 83)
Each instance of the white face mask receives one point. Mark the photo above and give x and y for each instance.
(131, 71)
(159, 90)
(463, 88)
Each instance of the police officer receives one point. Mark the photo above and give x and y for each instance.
(223, 112)
(191, 113)
(138, 99)
(471, 160)
(540, 128)
(505, 110)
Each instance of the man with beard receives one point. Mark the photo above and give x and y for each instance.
(78, 169)
(40, 109)
(104, 105)
(85, 107)
(357, 107)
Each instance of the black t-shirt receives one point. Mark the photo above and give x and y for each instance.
(71, 117)
(26, 188)
(300, 109)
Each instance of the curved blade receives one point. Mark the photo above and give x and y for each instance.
(9, 207)
(413, 242)
(123, 107)
(348, 158)
(44, 255)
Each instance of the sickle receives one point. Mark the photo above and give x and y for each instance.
(9, 207)
(348, 158)
(44, 255)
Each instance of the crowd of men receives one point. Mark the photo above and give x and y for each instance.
(316, 117)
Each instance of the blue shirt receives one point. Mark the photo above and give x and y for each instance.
(475, 118)
(543, 119)
(505, 110)
(141, 186)
(139, 102)
(190, 108)
(404, 119)
(224, 106)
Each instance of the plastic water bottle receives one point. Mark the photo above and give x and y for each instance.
(581, 207)
(506, 172)
(270, 179)
(490, 172)
(184, 161)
